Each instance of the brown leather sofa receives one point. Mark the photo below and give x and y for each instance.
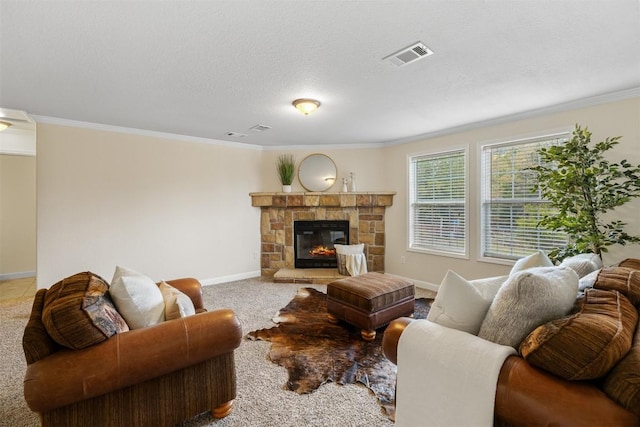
(159, 375)
(534, 387)
(527, 396)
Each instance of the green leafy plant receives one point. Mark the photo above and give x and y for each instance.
(582, 185)
(286, 167)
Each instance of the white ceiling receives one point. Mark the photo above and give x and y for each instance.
(204, 68)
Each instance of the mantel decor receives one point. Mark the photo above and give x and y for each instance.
(365, 212)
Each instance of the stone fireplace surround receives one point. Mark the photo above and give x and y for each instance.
(365, 212)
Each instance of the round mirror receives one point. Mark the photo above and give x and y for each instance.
(317, 172)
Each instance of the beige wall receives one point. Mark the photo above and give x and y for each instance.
(612, 119)
(17, 216)
(172, 208)
(164, 207)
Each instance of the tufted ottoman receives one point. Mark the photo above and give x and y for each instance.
(370, 301)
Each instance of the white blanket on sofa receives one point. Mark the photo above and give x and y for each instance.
(446, 377)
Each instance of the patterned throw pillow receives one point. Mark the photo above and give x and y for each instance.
(623, 382)
(585, 345)
(78, 311)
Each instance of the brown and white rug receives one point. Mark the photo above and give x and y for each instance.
(315, 351)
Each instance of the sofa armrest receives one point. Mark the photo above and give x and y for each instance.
(192, 288)
(69, 376)
(392, 336)
(529, 396)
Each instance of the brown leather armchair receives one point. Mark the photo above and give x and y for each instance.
(160, 375)
(527, 396)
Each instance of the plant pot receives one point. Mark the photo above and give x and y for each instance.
(286, 189)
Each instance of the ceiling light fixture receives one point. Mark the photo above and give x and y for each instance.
(4, 125)
(306, 105)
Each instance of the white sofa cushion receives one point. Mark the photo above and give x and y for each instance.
(536, 259)
(177, 304)
(458, 305)
(583, 264)
(137, 298)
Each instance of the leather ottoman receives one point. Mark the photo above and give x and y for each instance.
(370, 301)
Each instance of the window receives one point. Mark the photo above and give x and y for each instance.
(438, 208)
(510, 209)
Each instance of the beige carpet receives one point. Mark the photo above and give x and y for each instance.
(260, 402)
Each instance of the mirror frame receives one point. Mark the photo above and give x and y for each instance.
(307, 180)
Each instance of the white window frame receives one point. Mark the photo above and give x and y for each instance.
(485, 200)
(411, 245)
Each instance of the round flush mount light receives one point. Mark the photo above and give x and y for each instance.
(306, 105)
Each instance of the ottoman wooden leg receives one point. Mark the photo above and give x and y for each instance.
(222, 410)
(368, 335)
(332, 318)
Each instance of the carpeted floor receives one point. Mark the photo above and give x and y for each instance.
(260, 402)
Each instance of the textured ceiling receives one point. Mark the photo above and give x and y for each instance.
(203, 69)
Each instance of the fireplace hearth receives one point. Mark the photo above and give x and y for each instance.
(314, 242)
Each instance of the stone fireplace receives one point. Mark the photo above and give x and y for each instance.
(364, 211)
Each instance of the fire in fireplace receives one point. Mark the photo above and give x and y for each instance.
(313, 243)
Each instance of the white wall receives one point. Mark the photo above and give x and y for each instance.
(17, 216)
(164, 207)
(611, 119)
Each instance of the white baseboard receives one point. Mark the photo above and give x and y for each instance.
(419, 283)
(19, 275)
(230, 278)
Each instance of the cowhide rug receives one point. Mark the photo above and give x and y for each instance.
(315, 351)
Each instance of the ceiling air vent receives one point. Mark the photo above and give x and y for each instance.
(409, 54)
(260, 128)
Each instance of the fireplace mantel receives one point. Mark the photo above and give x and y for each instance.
(365, 212)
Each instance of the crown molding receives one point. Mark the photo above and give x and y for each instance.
(558, 108)
(141, 132)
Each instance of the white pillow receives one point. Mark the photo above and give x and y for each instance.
(527, 300)
(177, 304)
(588, 281)
(458, 305)
(488, 287)
(137, 298)
(536, 259)
(349, 249)
(583, 264)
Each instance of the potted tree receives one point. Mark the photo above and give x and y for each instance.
(582, 185)
(286, 168)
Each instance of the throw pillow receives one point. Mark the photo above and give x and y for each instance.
(588, 281)
(137, 298)
(583, 264)
(632, 263)
(536, 259)
(585, 345)
(458, 305)
(526, 300)
(78, 311)
(623, 382)
(621, 279)
(176, 303)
